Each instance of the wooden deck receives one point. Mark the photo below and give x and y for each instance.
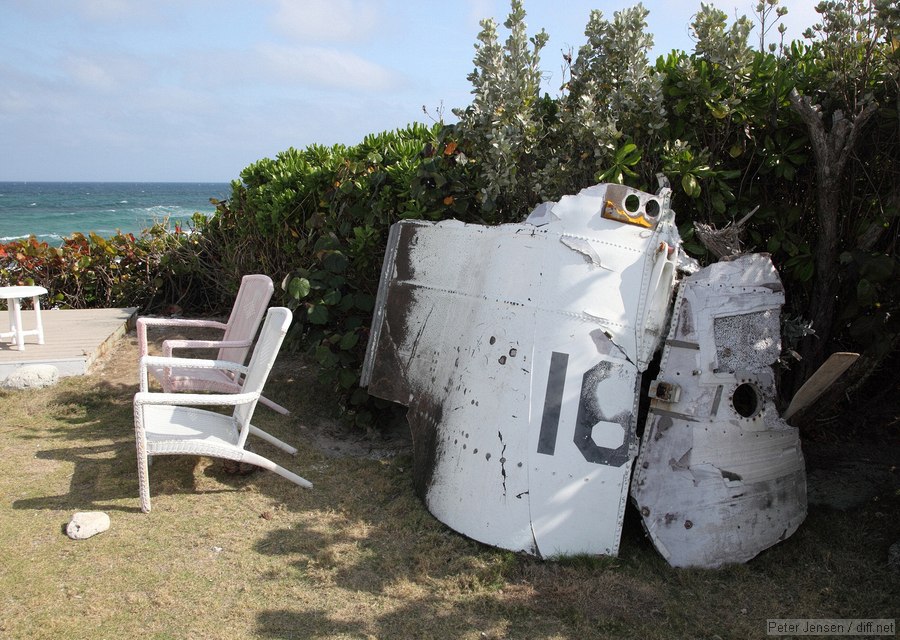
(73, 339)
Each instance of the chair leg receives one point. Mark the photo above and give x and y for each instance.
(143, 464)
(265, 463)
(281, 444)
(143, 479)
(274, 406)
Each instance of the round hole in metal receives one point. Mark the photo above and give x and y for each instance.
(746, 400)
(632, 203)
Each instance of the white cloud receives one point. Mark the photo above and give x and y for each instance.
(326, 67)
(326, 20)
(90, 74)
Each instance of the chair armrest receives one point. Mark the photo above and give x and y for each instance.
(195, 399)
(144, 322)
(170, 345)
(161, 362)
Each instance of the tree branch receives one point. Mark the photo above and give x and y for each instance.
(810, 115)
(855, 127)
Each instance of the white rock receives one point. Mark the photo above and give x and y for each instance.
(85, 524)
(32, 376)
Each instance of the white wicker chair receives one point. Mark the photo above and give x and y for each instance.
(168, 423)
(237, 338)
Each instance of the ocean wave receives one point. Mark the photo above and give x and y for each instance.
(57, 210)
(46, 237)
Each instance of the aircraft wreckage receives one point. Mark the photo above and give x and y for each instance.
(519, 350)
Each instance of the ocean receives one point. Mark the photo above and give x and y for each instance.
(54, 210)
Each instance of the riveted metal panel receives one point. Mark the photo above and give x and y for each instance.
(720, 476)
(518, 350)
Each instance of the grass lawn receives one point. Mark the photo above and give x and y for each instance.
(358, 556)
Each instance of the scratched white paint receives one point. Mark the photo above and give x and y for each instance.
(720, 476)
(518, 350)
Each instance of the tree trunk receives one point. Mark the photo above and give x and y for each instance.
(822, 301)
(831, 150)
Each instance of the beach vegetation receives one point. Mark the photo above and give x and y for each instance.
(152, 270)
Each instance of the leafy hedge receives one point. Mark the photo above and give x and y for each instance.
(318, 220)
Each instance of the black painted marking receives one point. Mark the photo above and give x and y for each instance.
(682, 344)
(672, 414)
(556, 382)
(590, 412)
(717, 400)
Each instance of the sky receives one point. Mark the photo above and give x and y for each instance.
(197, 90)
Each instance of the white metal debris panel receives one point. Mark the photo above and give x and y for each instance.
(518, 350)
(720, 476)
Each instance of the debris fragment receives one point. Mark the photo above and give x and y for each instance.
(539, 333)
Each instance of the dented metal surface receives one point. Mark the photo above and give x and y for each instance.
(720, 476)
(519, 350)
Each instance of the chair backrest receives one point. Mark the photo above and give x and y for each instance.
(246, 314)
(278, 319)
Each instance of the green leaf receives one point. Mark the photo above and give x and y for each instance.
(298, 288)
(718, 112)
(359, 396)
(690, 185)
(336, 262)
(805, 271)
(347, 378)
(625, 151)
(349, 340)
(346, 303)
(718, 202)
(324, 356)
(331, 298)
(317, 314)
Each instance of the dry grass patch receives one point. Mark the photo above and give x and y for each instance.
(229, 556)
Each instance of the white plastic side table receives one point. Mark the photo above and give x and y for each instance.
(14, 297)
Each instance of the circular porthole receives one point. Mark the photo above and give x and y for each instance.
(632, 203)
(747, 400)
(651, 209)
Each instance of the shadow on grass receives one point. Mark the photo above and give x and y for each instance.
(402, 574)
(406, 575)
(97, 427)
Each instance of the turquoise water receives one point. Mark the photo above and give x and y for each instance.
(54, 210)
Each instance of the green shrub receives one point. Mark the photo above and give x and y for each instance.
(317, 221)
(89, 271)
